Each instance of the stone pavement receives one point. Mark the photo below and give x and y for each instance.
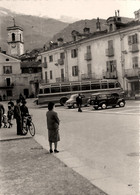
(27, 168)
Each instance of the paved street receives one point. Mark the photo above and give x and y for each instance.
(104, 142)
(103, 145)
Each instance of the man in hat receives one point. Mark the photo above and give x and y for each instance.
(24, 110)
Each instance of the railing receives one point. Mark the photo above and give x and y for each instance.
(87, 76)
(110, 52)
(133, 72)
(133, 48)
(88, 56)
(5, 86)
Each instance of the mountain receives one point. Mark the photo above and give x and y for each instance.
(37, 30)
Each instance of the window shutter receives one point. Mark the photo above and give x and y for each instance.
(129, 40)
(114, 63)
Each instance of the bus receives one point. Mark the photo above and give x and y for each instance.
(61, 92)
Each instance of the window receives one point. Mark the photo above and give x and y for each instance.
(41, 91)
(46, 77)
(110, 44)
(62, 74)
(132, 39)
(85, 87)
(7, 69)
(65, 88)
(75, 71)
(76, 88)
(104, 85)
(89, 69)
(55, 89)
(8, 81)
(110, 27)
(135, 62)
(13, 36)
(62, 55)
(47, 90)
(95, 86)
(74, 53)
(45, 62)
(7, 59)
(51, 58)
(111, 85)
(88, 49)
(111, 66)
(51, 77)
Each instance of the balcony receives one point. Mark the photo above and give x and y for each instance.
(133, 48)
(111, 75)
(5, 86)
(131, 73)
(110, 52)
(88, 76)
(61, 61)
(88, 56)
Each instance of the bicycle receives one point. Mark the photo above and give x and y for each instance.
(28, 125)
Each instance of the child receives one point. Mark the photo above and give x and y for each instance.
(5, 120)
(9, 114)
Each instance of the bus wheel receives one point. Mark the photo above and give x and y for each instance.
(63, 100)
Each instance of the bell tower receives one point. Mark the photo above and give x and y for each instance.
(15, 40)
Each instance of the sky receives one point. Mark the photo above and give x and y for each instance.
(73, 9)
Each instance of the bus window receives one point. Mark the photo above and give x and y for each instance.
(118, 84)
(65, 88)
(95, 86)
(55, 89)
(76, 88)
(111, 85)
(104, 85)
(47, 90)
(41, 91)
(85, 87)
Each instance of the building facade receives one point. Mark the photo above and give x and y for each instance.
(110, 54)
(13, 82)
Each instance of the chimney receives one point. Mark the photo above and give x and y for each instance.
(60, 41)
(98, 26)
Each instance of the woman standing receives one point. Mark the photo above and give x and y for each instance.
(53, 127)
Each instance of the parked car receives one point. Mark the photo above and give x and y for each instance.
(71, 102)
(103, 101)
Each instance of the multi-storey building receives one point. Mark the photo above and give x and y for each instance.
(112, 53)
(13, 81)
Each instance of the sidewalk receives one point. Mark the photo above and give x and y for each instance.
(27, 168)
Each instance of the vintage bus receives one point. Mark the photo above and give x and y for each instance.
(60, 93)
